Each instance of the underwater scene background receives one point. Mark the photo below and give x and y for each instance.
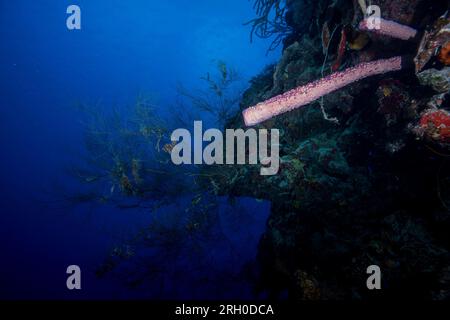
(87, 179)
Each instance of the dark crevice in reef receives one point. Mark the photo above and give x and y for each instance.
(373, 190)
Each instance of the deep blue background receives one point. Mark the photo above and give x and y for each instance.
(124, 48)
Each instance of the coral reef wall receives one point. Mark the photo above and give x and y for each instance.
(373, 188)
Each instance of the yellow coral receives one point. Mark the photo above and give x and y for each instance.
(387, 91)
(359, 42)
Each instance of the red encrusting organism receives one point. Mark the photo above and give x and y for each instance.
(435, 124)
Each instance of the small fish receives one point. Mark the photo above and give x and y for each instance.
(169, 147)
(90, 179)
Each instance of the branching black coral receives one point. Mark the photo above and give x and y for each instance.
(127, 158)
(220, 97)
(270, 21)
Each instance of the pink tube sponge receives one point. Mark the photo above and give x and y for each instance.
(391, 29)
(306, 94)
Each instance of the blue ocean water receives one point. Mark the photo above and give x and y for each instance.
(123, 49)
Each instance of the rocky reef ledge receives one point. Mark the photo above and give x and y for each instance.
(365, 171)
